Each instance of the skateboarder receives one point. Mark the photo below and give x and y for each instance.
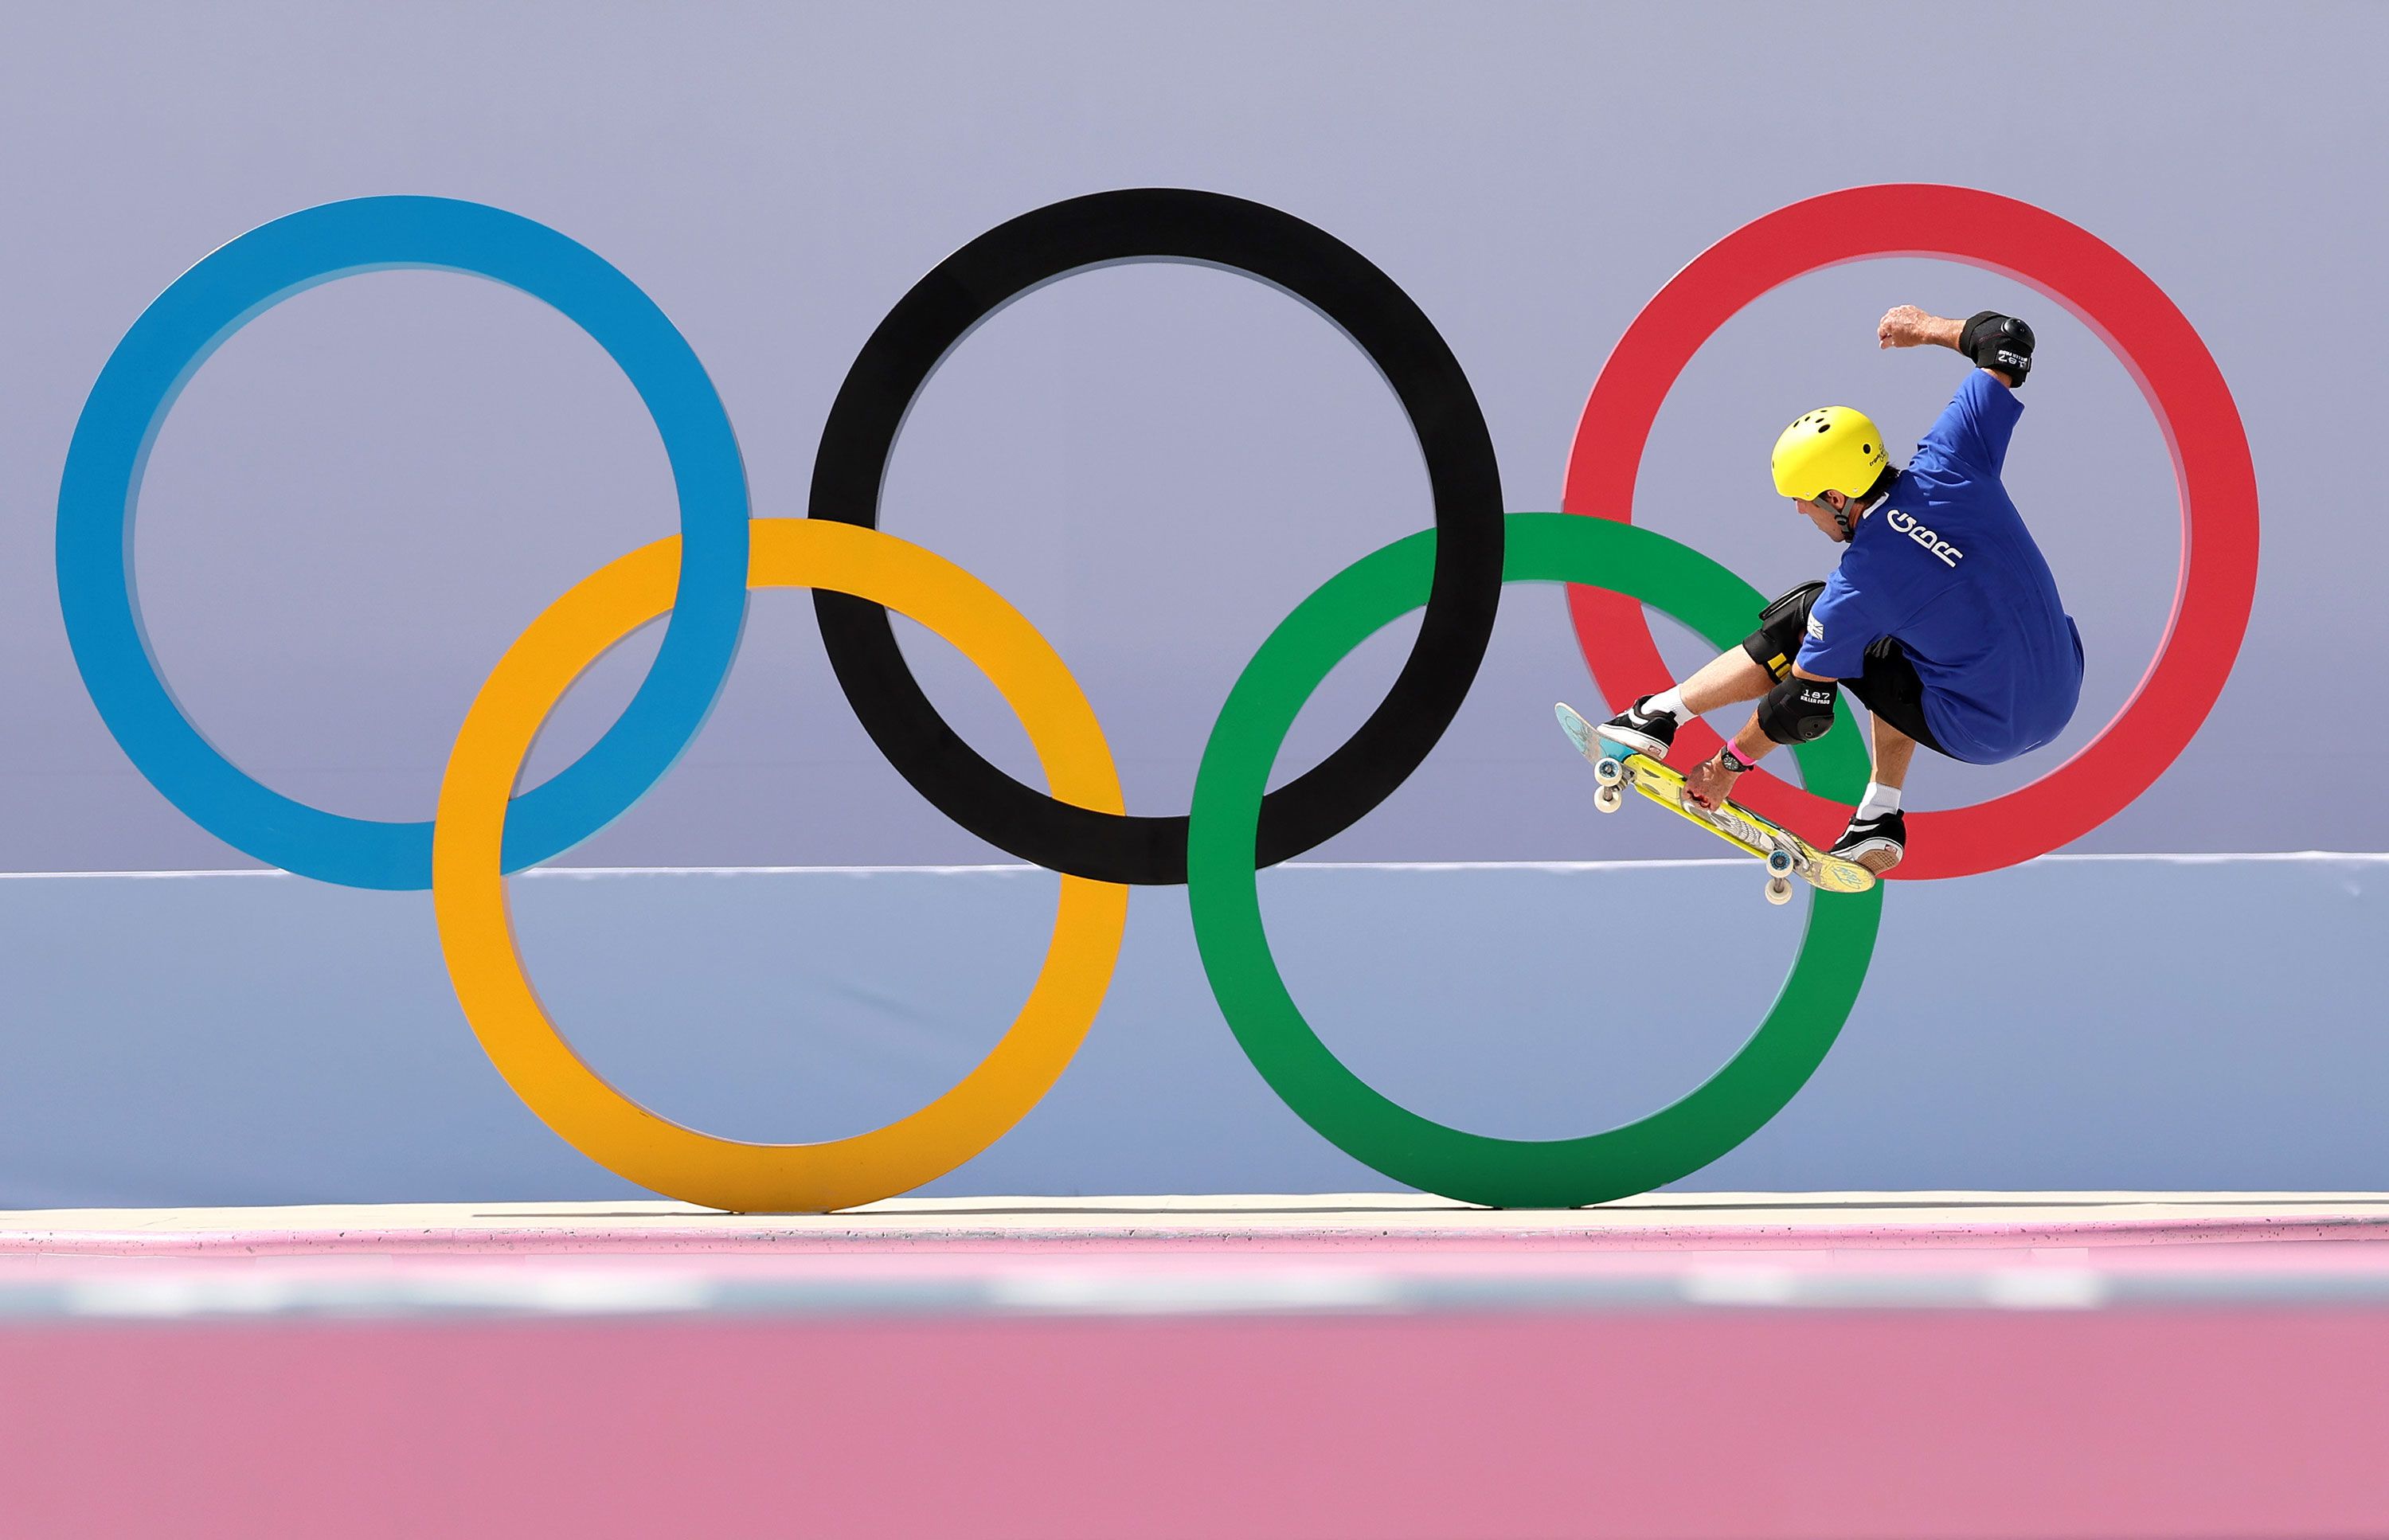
(1942, 617)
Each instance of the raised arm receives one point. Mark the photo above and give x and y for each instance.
(2001, 344)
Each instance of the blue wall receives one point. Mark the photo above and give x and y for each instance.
(2107, 1024)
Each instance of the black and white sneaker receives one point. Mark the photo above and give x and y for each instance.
(1646, 732)
(1876, 843)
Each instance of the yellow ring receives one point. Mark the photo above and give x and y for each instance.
(477, 931)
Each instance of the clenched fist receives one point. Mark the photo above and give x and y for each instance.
(1906, 327)
(1709, 783)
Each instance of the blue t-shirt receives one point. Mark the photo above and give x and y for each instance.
(1945, 565)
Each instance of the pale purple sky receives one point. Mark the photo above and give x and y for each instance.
(370, 491)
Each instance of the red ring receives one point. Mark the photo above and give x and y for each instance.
(2117, 301)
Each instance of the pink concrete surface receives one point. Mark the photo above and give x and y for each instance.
(2241, 1267)
(1934, 1425)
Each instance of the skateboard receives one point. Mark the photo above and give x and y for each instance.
(1785, 853)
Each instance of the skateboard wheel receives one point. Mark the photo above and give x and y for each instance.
(1780, 862)
(1607, 799)
(1608, 771)
(1778, 890)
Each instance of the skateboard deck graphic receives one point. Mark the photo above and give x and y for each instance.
(1784, 853)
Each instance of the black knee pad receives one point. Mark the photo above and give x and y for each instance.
(1798, 711)
(1782, 626)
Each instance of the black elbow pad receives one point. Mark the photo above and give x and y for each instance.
(1798, 711)
(1996, 341)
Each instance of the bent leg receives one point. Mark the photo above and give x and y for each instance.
(1746, 672)
(1894, 697)
(1735, 675)
(1893, 752)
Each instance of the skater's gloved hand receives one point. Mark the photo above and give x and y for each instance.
(1709, 783)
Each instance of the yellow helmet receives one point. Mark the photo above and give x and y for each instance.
(1832, 448)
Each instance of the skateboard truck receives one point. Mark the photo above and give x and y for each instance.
(1780, 863)
(1610, 770)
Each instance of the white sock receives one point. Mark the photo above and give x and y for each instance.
(1671, 700)
(1880, 799)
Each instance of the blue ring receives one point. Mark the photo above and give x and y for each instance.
(101, 494)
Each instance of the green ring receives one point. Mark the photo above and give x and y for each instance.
(1223, 887)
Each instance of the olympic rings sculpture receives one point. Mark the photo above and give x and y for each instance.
(1078, 827)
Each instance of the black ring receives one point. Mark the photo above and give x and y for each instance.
(1265, 243)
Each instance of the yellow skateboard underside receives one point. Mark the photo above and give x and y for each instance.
(1733, 823)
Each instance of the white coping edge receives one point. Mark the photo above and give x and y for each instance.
(2193, 858)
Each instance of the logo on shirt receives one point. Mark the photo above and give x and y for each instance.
(1816, 629)
(1906, 523)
